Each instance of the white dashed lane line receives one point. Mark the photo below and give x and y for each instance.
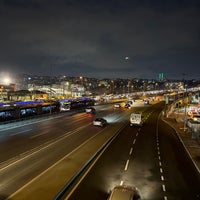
(160, 167)
(126, 166)
(134, 141)
(131, 150)
(163, 187)
(127, 162)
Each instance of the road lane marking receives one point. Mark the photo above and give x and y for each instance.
(87, 171)
(160, 163)
(32, 137)
(126, 166)
(163, 187)
(122, 182)
(31, 152)
(21, 132)
(134, 141)
(131, 150)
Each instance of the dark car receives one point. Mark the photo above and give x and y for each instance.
(127, 105)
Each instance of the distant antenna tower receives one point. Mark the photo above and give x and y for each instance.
(161, 76)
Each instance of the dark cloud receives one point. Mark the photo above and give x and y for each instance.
(92, 38)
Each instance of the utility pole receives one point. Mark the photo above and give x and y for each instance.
(185, 102)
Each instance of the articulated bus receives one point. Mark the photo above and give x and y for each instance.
(23, 109)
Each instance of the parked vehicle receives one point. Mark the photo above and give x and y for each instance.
(99, 122)
(136, 119)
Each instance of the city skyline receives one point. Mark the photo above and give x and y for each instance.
(101, 39)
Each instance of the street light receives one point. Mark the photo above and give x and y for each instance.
(6, 81)
(185, 105)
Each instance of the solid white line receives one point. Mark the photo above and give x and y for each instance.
(42, 147)
(188, 153)
(131, 150)
(21, 132)
(126, 166)
(38, 135)
(59, 161)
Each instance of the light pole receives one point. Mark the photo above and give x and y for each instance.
(185, 107)
(81, 89)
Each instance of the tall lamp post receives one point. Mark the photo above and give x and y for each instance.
(185, 106)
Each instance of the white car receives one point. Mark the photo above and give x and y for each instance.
(117, 105)
(99, 122)
(196, 118)
(89, 110)
(123, 192)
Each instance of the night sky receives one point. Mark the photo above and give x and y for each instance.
(101, 39)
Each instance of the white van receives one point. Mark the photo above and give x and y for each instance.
(136, 119)
(124, 192)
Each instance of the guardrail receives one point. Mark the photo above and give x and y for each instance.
(67, 186)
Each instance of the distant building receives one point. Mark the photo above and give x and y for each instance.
(4, 89)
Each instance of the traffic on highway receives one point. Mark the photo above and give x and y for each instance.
(69, 157)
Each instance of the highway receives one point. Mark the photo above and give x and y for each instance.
(28, 150)
(150, 158)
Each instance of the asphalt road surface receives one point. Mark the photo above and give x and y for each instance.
(150, 158)
(28, 150)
